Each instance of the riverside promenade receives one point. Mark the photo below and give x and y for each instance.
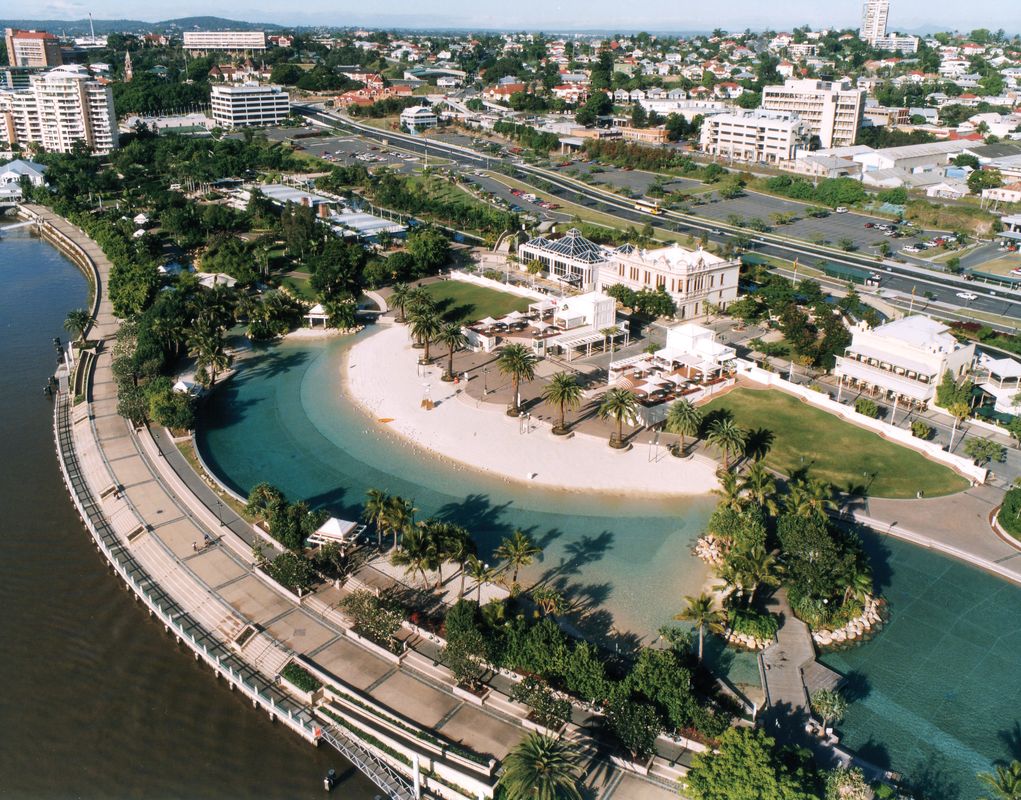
(399, 718)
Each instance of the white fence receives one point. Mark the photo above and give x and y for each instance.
(489, 283)
(820, 400)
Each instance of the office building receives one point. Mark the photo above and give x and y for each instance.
(874, 16)
(692, 278)
(32, 48)
(830, 110)
(419, 118)
(62, 107)
(755, 136)
(249, 104)
(202, 42)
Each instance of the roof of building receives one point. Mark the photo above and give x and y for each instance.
(920, 150)
(676, 258)
(920, 332)
(571, 245)
(997, 150)
(23, 167)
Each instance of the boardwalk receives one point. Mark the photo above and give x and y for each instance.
(160, 528)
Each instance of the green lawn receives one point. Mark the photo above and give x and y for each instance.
(835, 450)
(466, 302)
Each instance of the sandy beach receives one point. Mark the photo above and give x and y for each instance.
(382, 376)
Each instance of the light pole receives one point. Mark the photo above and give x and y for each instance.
(485, 381)
(219, 514)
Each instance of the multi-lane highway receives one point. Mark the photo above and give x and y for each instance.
(942, 292)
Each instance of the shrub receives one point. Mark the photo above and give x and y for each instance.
(376, 618)
(866, 407)
(753, 623)
(921, 431)
(300, 677)
(548, 710)
(292, 571)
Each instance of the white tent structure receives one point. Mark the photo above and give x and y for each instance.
(336, 531)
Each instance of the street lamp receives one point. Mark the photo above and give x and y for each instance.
(219, 514)
(485, 381)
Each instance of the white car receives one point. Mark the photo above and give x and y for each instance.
(840, 210)
(967, 295)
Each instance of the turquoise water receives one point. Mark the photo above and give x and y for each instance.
(937, 693)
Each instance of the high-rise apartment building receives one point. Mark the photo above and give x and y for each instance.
(249, 104)
(32, 48)
(874, 15)
(830, 110)
(199, 42)
(62, 107)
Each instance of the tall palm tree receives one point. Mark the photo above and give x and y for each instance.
(479, 572)
(959, 411)
(758, 568)
(400, 516)
(810, 496)
(377, 505)
(206, 343)
(730, 493)
(518, 551)
(452, 337)
(725, 435)
(418, 299)
(564, 392)
(759, 485)
(518, 362)
(77, 322)
(417, 553)
(683, 419)
(459, 549)
(700, 613)
(541, 768)
(399, 298)
(609, 334)
(621, 405)
(426, 325)
(1005, 783)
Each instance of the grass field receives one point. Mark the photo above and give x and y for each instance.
(466, 302)
(835, 450)
(1002, 265)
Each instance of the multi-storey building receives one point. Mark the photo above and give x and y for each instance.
(61, 108)
(32, 48)
(692, 278)
(200, 42)
(874, 15)
(249, 104)
(831, 110)
(756, 135)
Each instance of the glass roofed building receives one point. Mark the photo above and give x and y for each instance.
(572, 258)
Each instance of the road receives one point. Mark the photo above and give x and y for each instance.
(904, 279)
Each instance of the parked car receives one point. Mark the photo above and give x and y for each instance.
(967, 295)
(870, 224)
(840, 210)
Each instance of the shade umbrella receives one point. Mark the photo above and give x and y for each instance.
(539, 325)
(515, 314)
(656, 380)
(487, 321)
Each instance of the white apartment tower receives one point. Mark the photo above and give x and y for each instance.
(249, 104)
(874, 15)
(831, 110)
(755, 135)
(62, 107)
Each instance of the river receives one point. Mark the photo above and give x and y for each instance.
(97, 701)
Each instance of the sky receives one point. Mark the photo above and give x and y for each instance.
(652, 15)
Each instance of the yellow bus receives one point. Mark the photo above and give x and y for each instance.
(648, 206)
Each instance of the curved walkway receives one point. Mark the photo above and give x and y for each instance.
(188, 557)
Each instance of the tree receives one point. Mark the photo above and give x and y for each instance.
(465, 652)
(728, 438)
(518, 551)
(982, 451)
(518, 362)
(1014, 429)
(808, 497)
(759, 485)
(747, 766)
(660, 677)
(636, 725)
(756, 568)
(377, 505)
(701, 614)
(843, 783)
(452, 337)
(426, 325)
(829, 705)
(399, 517)
(77, 322)
(541, 768)
(479, 572)
(207, 345)
(418, 553)
(1005, 782)
(563, 392)
(684, 419)
(430, 248)
(729, 491)
(398, 299)
(984, 179)
(959, 410)
(620, 405)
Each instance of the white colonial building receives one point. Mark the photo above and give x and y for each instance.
(903, 360)
(692, 278)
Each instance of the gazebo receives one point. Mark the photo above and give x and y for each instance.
(317, 314)
(336, 531)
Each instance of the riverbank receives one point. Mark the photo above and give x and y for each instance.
(382, 376)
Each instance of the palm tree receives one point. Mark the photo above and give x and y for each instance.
(829, 705)
(377, 505)
(518, 551)
(758, 568)
(541, 768)
(452, 337)
(518, 362)
(418, 299)
(549, 600)
(760, 485)
(562, 391)
(702, 615)
(728, 438)
(426, 324)
(619, 404)
(399, 298)
(207, 345)
(610, 334)
(77, 322)
(400, 516)
(1005, 782)
(810, 496)
(479, 572)
(731, 496)
(417, 553)
(459, 549)
(959, 411)
(683, 419)
(859, 584)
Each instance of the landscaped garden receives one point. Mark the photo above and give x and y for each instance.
(466, 302)
(836, 451)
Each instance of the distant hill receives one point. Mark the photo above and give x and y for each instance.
(103, 26)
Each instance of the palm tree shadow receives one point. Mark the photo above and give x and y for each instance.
(759, 443)
(1012, 739)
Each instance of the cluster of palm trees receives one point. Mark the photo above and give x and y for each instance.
(722, 433)
(428, 327)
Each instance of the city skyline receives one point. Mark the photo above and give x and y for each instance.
(659, 15)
